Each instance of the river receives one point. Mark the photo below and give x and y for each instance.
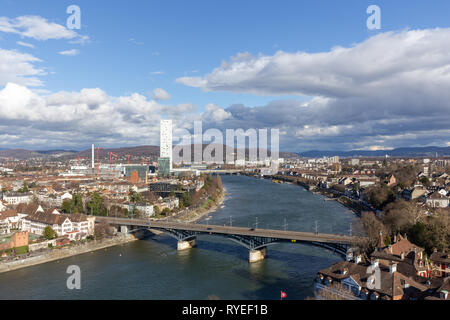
(216, 269)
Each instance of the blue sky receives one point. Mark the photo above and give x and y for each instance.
(138, 46)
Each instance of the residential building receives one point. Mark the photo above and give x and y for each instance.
(75, 226)
(440, 264)
(437, 200)
(17, 197)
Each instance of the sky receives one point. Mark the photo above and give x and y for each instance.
(311, 69)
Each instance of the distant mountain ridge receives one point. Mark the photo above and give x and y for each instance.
(153, 152)
(398, 152)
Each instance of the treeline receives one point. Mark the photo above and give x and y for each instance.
(410, 219)
(210, 191)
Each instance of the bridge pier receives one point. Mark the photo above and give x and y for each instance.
(186, 244)
(257, 255)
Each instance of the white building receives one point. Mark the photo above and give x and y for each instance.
(144, 208)
(75, 226)
(17, 197)
(165, 144)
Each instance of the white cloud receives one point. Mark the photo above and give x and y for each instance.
(387, 60)
(71, 52)
(25, 44)
(19, 68)
(215, 113)
(389, 90)
(38, 28)
(156, 72)
(160, 94)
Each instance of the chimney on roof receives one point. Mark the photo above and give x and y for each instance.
(392, 267)
(375, 263)
(380, 241)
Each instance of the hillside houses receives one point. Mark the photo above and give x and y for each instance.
(351, 281)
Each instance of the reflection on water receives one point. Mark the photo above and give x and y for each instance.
(216, 268)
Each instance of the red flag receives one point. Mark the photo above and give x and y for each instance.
(283, 295)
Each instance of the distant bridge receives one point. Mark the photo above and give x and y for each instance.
(256, 240)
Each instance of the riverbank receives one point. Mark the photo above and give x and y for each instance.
(354, 205)
(198, 213)
(58, 254)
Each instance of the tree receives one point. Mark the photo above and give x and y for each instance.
(102, 230)
(75, 205)
(380, 196)
(49, 233)
(96, 206)
(186, 199)
(66, 206)
(156, 210)
(400, 215)
(24, 188)
(372, 227)
(165, 212)
(135, 197)
(424, 180)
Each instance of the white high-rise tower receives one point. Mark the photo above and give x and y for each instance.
(165, 142)
(93, 159)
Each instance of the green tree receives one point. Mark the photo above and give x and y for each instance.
(135, 197)
(186, 199)
(66, 206)
(77, 203)
(95, 205)
(49, 233)
(165, 212)
(24, 188)
(424, 180)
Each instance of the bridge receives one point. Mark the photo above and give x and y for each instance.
(256, 240)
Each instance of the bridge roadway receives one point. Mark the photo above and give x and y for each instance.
(256, 240)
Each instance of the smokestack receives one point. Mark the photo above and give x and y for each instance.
(93, 164)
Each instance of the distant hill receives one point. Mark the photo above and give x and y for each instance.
(24, 154)
(399, 152)
(136, 153)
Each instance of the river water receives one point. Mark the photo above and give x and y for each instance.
(216, 269)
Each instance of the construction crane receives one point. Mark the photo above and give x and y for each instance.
(98, 161)
(115, 160)
(110, 161)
